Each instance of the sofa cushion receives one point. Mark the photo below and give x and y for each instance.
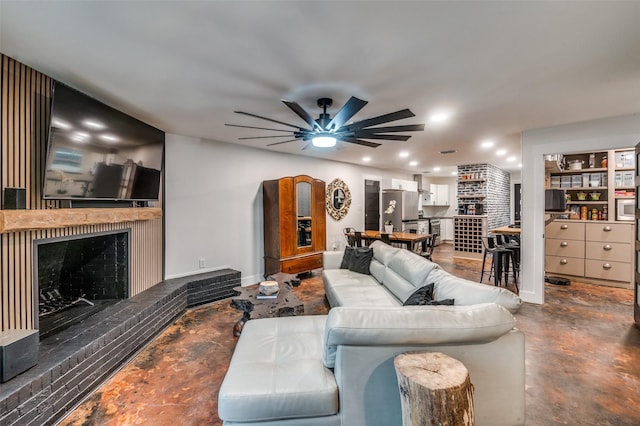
(277, 372)
(382, 252)
(348, 288)
(413, 325)
(467, 292)
(411, 267)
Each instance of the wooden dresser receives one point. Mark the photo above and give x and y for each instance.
(595, 252)
(294, 224)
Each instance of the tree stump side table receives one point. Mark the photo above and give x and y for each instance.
(435, 389)
(285, 305)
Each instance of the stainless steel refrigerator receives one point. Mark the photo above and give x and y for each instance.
(406, 207)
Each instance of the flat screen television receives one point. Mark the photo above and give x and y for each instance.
(96, 152)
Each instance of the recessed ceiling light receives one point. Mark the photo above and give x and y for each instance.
(436, 169)
(439, 118)
(520, 165)
(366, 159)
(511, 158)
(413, 163)
(93, 124)
(488, 143)
(454, 173)
(403, 154)
(501, 152)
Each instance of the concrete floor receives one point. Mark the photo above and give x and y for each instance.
(582, 360)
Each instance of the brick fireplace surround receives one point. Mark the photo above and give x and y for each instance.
(72, 363)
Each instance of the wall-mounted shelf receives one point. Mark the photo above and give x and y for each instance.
(580, 171)
(471, 180)
(471, 196)
(588, 202)
(585, 188)
(26, 220)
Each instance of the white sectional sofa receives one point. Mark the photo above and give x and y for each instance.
(395, 274)
(337, 369)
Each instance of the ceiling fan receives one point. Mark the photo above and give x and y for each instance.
(325, 131)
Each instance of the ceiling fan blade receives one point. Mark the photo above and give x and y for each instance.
(268, 119)
(265, 137)
(376, 136)
(259, 128)
(349, 109)
(278, 143)
(392, 116)
(406, 128)
(306, 146)
(302, 114)
(361, 142)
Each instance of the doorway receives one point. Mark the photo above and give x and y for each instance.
(371, 205)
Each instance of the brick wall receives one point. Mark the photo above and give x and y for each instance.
(494, 185)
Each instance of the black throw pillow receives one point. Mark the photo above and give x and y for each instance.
(424, 296)
(360, 259)
(346, 257)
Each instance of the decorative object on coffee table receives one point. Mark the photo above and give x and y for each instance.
(435, 389)
(285, 304)
(268, 290)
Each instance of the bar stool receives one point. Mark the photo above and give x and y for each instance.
(500, 258)
(507, 242)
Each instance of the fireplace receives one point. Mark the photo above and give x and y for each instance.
(77, 276)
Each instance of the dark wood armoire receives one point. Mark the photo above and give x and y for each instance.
(294, 224)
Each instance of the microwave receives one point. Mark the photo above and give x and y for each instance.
(625, 209)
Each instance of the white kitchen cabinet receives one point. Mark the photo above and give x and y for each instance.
(438, 195)
(446, 228)
(406, 185)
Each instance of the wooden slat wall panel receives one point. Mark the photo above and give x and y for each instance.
(24, 119)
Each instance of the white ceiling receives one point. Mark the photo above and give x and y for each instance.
(498, 67)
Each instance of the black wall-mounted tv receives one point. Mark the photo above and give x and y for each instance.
(96, 152)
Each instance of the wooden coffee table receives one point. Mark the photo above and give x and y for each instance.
(285, 305)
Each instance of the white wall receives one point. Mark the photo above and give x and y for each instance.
(595, 135)
(214, 203)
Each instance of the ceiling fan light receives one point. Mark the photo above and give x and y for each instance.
(324, 141)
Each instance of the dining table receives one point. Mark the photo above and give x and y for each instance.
(407, 239)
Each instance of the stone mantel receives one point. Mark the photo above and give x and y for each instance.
(26, 220)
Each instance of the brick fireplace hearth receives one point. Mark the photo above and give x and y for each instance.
(75, 361)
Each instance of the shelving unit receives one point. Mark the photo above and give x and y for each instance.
(477, 197)
(599, 251)
(613, 182)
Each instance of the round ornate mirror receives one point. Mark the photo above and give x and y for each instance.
(338, 199)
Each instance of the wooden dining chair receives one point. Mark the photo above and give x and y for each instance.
(429, 247)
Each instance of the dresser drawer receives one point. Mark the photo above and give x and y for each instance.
(610, 232)
(565, 230)
(564, 247)
(606, 270)
(617, 252)
(564, 265)
(296, 265)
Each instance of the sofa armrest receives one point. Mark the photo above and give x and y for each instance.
(332, 259)
(413, 325)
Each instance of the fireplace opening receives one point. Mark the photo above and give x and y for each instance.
(79, 276)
